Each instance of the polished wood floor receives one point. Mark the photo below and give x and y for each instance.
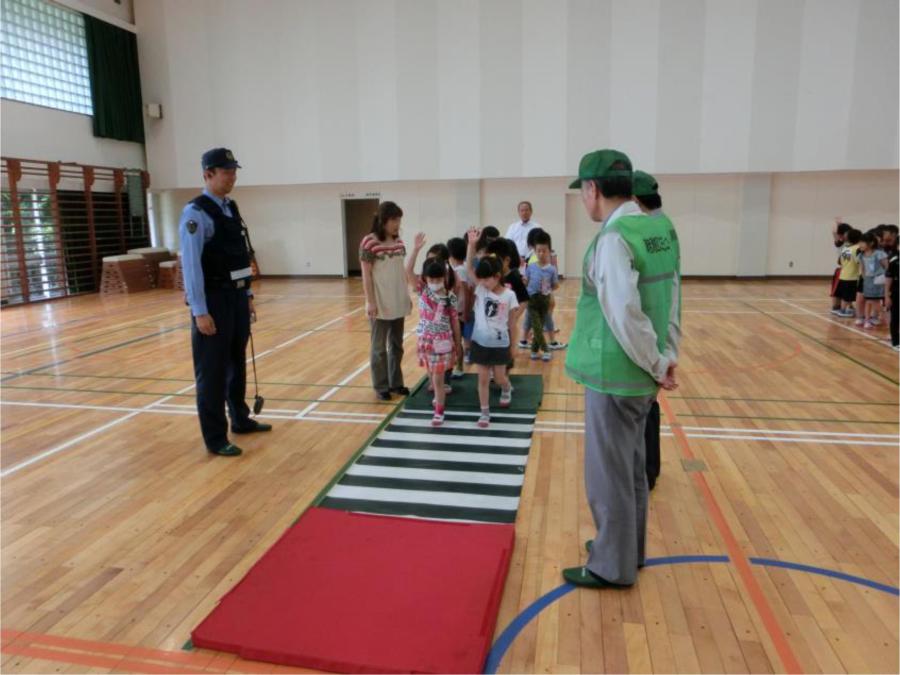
(119, 532)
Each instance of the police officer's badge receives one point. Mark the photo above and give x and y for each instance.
(191, 226)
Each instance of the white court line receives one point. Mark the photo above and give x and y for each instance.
(331, 392)
(837, 323)
(749, 431)
(770, 439)
(165, 399)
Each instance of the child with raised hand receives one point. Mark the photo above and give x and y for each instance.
(849, 277)
(494, 320)
(542, 279)
(438, 329)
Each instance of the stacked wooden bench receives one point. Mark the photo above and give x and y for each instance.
(125, 274)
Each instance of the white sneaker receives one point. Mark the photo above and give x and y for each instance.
(457, 373)
(859, 322)
(547, 356)
(523, 344)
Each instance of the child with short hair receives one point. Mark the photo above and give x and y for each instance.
(438, 329)
(542, 279)
(549, 324)
(873, 263)
(839, 236)
(849, 277)
(457, 248)
(494, 320)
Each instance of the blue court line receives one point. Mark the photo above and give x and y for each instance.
(503, 643)
(768, 562)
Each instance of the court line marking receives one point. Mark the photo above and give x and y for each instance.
(768, 439)
(509, 634)
(870, 336)
(734, 434)
(827, 346)
(735, 553)
(750, 431)
(104, 427)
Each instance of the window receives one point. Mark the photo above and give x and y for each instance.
(43, 56)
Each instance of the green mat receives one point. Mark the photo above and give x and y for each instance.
(528, 390)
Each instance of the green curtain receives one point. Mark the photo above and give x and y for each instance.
(115, 81)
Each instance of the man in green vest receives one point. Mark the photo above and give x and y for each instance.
(622, 350)
(647, 197)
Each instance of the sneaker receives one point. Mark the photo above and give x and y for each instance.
(485, 420)
(467, 359)
(534, 356)
(896, 348)
(847, 313)
(523, 344)
(438, 418)
(869, 325)
(505, 397)
(547, 356)
(836, 312)
(448, 389)
(556, 345)
(457, 373)
(859, 322)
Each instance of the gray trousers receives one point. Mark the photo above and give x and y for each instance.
(616, 481)
(387, 353)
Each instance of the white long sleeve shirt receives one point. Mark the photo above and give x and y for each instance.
(613, 274)
(518, 232)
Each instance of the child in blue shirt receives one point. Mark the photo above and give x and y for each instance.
(541, 279)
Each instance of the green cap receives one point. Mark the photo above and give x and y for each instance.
(644, 185)
(598, 164)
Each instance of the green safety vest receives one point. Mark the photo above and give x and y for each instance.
(595, 358)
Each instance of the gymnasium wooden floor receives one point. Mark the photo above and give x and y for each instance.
(120, 533)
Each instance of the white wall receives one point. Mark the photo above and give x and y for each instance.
(34, 132)
(804, 206)
(325, 91)
(728, 224)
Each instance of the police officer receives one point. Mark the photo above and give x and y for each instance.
(215, 258)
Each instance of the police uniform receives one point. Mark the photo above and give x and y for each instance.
(215, 258)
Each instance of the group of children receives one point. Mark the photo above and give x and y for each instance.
(471, 293)
(865, 282)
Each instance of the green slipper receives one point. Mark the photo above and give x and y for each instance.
(228, 450)
(581, 576)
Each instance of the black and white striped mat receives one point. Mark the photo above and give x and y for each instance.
(454, 472)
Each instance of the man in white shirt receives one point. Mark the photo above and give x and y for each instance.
(519, 230)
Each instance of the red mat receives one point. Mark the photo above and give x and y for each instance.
(348, 592)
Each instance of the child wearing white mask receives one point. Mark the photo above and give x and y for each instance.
(438, 329)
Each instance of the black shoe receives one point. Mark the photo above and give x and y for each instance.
(383, 395)
(400, 391)
(252, 428)
(228, 450)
